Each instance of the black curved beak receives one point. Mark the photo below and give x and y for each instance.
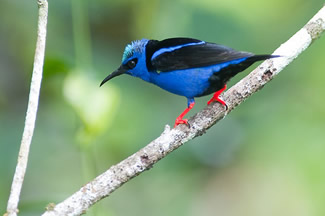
(117, 72)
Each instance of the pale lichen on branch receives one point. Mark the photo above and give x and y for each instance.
(171, 139)
(12, 206)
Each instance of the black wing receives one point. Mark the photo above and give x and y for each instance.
(183, 53)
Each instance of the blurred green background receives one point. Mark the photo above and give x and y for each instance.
(266, 158)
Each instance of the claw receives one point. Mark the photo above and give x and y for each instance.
(180, 120)
(216, 97)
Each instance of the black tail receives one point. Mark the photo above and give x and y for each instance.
(225, 74)
(256, 58)
(220, 78)
(232, 70)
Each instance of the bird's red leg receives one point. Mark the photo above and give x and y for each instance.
(216, 97)
(179, 119)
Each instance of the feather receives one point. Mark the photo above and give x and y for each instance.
(185, 53)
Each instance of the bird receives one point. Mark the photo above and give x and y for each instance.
(185, 66)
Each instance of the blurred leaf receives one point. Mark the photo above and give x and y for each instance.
(54, 66)
(95, 106)
(279, 130)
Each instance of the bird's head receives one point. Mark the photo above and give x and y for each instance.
(133, 61)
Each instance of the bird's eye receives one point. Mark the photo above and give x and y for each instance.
(132, 63)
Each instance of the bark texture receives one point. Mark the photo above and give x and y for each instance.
(35, 86)
(103, 185)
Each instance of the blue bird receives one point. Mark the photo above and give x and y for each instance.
(185, 66)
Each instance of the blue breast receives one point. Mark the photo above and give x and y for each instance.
(188, 82)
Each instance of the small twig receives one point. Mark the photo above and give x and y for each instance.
(169, 140)
(12, 207)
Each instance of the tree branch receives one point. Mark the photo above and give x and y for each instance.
(103, 185)
(12, 206)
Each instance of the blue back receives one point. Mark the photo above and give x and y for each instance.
(185, 66)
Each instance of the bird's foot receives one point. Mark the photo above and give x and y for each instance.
(218, 100)
(216, 97)
(179, 119)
